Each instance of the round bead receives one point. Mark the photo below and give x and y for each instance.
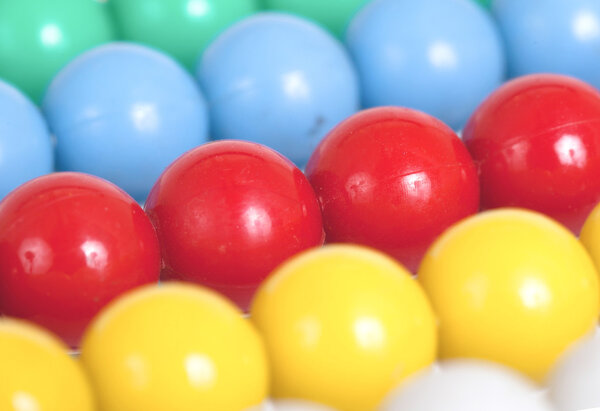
(70, 243)
(536, 141)
(278, 80)
(343, 325)
(393, 179)
(439, 56)
(124, 112)
(551, 36)
(174, 347)
(182, 28)
(227, 213)
(510, 286)
(39, 37)
(37, 372)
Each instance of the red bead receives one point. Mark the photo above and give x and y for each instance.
(393, 179)
(227, 213)
(536, 141)
(69, 244)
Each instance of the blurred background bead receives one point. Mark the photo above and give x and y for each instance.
(573, 384)
(38, 37)
(124, 112)
(26, 149)
(182, 28)
(333, 14)
(551, 36)
(37, 372)
(467, 385)
(439, 56)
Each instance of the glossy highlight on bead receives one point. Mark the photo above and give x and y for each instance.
(69, 244)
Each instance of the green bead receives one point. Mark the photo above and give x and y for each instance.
(333, 14)
(38, 37)
(182, 28)
(485, 3)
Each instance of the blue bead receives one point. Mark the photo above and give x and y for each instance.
(554, 36)
(439, 56)
(26, 148)
(278, 80)
(124, 112)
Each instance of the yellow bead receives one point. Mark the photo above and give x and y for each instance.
(36, 372)
(590, 235)
(343, 325)
(511, 286)
(174, 347)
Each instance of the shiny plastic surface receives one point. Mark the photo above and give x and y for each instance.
(175, 347)
(70, 243)
(278, 80)
(39, 37)
(439, 56)
(393, 179)
(510, 286)
(37, 374)
(343, 325)
(182, 28)
(536, 141)
(228, 212)
(551, 36)
(124, 112)
(333, 14)
(26, 149)
(468, 385)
